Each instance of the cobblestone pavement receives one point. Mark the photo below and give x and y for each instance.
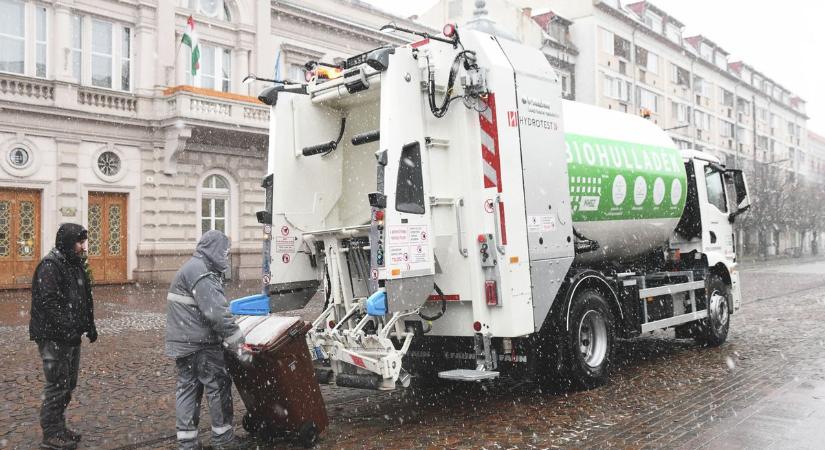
(764, 387)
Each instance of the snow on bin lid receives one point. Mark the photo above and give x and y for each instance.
(263, 331)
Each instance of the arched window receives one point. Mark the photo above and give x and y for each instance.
(215, 196)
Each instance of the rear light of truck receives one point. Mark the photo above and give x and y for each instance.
(491, 293)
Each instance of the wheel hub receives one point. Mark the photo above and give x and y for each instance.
(593, 338)
(718, 312)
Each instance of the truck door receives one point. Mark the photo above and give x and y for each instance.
(717, 232)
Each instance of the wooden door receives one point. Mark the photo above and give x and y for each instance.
(19, 236)
(107, 223)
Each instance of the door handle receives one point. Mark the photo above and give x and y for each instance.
(459, 205)
(712, 237)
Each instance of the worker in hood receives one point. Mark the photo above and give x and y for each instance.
(62, 310)
(198, 323)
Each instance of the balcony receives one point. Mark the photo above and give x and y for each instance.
(226, 110)
(187, 104)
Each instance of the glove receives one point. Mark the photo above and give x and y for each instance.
(245, 358)
(92, 335)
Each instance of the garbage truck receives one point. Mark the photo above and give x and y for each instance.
(461, 220)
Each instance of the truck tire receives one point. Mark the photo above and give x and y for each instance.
(590, 340)
(713, 330)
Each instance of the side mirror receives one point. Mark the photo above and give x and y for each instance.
(740, 186)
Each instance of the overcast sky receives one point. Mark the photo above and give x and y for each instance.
(785, 40)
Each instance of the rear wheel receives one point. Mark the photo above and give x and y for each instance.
(590, 339)
(714, 329)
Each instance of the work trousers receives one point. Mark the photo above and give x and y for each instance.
(203, 370)
(61, 363)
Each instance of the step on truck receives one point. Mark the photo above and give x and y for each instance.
(463, 221)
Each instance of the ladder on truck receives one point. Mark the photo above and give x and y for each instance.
(359, 346)
(660, 284)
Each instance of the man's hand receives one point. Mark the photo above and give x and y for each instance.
(92, 335)
(245, 358)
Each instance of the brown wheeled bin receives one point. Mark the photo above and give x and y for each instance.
(279, 388)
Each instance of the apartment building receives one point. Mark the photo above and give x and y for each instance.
(103, 123)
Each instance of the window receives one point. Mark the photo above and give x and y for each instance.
(702, 87)
(108, 163)
(648, 100)
(727, 98)
(101, 54)
(617, 88)
(715, 189)
(40, 42)
(296, 72)
(680, 112)
(409, 190)
(672, 32)
(701, 119)
(679, 76)
(705, 51)
(721, 60)
(726, 128)
(76, 47)
(125, 58)
(216, 68)
(647, 60)
(743, 106)
(215, 204)
(653, 21)
(621, 47)
(12, 36)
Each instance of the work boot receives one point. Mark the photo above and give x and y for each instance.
(71, 435)
(59, 442)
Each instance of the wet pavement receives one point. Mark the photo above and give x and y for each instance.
(764, 388)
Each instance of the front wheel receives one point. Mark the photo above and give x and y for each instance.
(590, 339)
(714, 329)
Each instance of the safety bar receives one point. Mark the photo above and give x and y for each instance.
(326, 147)
(366, 138)
(497, 225)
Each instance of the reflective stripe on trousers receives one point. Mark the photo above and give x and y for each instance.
(201, 371)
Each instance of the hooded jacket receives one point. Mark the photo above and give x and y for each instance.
(197, 311)
(62, 307)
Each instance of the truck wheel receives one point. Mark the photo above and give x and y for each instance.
(590, 339)
(714, 329)
(250, 424)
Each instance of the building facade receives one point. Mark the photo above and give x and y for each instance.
(633, 57)
(103, 123)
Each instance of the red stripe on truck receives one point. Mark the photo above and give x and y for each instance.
(447, 298)
(491, 160)
(503, 225)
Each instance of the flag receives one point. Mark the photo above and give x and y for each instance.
(277, 75)
(190, 38)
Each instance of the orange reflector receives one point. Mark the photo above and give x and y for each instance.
(328, 73)
(395, 272)
(514, 260)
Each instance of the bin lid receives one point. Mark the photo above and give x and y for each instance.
(268, 331)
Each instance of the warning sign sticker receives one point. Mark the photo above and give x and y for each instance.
(399, 255)
(541, 224)
(418, 254)
(284, 244)
(398, 234)
(418, 234)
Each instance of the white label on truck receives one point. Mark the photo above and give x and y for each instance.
(589, 203)
(284, 244)
(541, 224)
(418, 234)
(418, 253)
(399, 255)
(398, 234)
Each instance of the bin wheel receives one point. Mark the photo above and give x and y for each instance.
(308, 434)
(251, 424)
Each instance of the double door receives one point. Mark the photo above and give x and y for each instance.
(107, 223)
(19, 236)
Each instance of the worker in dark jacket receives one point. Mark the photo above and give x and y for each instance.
(198, 324)
(62, 310)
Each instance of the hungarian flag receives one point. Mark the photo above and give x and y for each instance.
(190, 38)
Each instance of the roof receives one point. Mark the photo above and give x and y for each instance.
(640, 7)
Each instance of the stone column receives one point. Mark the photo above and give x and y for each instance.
(67, 187)
(59, 44)
(146, 40)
